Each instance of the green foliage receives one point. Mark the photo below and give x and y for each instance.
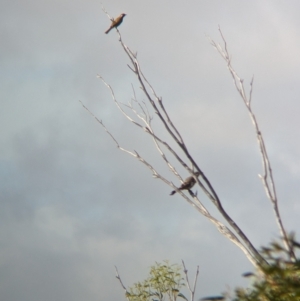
(277, 281)
(164, 283)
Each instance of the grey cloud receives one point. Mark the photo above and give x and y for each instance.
(73, 205)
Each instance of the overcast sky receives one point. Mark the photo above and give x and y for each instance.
(73, 205)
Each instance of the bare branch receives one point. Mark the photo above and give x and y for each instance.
(191, 289)
(140, 76)
(111, 18)
(123, 286)
(195, 202)
(117, 103)
(267, 177)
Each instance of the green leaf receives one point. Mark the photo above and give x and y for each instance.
(182, 296)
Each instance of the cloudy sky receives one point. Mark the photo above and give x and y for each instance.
(73, 205)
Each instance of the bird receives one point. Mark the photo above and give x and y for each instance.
(115, 23)
(188, 183)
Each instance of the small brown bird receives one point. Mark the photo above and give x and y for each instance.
(188, 183)
(115, 23)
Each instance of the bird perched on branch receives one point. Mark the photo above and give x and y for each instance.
(115, 23)
(188, 183)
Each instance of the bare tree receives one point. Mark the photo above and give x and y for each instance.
(140, 113)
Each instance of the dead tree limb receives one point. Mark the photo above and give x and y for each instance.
(267, 177)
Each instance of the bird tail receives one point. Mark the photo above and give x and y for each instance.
(173, 192)
(108, 30)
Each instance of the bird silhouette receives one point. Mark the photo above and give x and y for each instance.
(115, 23)
(188, 183)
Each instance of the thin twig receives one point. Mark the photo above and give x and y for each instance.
(191, 289)
(267, 177)
(123, 286)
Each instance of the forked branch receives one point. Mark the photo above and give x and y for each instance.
(192, 289)
(267, 177)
